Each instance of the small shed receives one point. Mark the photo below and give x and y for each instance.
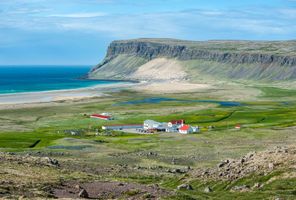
(238, 127)
(195, 129)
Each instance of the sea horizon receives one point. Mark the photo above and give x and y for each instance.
(16, 79)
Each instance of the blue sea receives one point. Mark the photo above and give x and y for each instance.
(16, 79)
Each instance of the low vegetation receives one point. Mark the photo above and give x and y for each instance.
(147, 166)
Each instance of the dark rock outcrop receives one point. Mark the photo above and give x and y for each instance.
(197, 50)
(83, 194)
(185, 187)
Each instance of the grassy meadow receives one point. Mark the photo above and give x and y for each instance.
(266, 121)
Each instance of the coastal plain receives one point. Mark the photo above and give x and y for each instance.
(146, 164)
(53, 149)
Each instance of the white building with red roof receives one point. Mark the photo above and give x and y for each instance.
(103, 116)
(185, 129)
(238, 127)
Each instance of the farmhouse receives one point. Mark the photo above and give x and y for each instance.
(186, 129)
(122, 127)
(174, 125)
(104, 116)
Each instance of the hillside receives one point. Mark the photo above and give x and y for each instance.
(163, 59)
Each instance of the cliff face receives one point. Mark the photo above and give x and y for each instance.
(233, 53)
(150, 50)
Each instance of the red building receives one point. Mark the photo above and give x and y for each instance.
(178, 122)
(102, 116)
(238, 126)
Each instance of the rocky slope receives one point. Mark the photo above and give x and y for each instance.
(237, 59)
(253, 163)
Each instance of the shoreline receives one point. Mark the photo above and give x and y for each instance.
(72, 89)
(39, 98)
(61, 95)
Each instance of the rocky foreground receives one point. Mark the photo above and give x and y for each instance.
(267, 166)
(254, 162)
(35, 175)
(32, 176)
(28, 160)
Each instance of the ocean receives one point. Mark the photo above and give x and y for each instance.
(16, 79)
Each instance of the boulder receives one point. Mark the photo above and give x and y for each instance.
(51, 161)
(120, 184)
(78, 187)
(223, 163)
(257, 185)
(240, 188)
(173, 161)
(185, 187)
(271, 166)
(208, 190)
(83, 194)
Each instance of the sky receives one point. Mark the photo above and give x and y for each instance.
(78, 32)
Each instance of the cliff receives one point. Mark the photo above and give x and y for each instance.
(239, 59)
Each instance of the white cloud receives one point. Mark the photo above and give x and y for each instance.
(182, 24)
(80, 15)
(288, 12)
(211, 12)
(143, 25)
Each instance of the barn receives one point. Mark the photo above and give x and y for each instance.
(177, 122)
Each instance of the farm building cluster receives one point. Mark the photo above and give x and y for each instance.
(149, 126)
(174, 126)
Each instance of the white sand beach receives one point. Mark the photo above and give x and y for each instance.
(22, 99)
(35, 99)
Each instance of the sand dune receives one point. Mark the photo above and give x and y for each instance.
(160, 69)
(166, 76)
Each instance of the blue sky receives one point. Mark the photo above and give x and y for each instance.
(77, 32)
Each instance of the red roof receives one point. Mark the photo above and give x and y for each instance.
(185, 128)
(101, 116)
(179, 121)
